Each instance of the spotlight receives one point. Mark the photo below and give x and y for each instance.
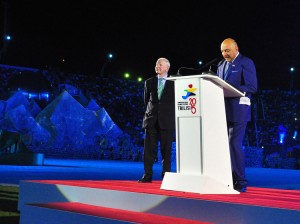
(7, 37)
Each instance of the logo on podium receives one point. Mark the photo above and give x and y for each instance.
(188, 101)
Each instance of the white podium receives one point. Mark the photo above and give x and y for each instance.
(202, 150)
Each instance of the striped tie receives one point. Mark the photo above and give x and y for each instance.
(160, 87)
(226, 71)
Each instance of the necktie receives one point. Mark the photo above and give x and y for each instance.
(160, 87)
(226, 70)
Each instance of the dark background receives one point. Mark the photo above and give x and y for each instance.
(76, 36)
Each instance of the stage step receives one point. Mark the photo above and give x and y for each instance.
(54, 201)
(74, 213)
(58, 201)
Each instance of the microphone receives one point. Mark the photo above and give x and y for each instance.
(209, 64)
(187, 68)
(198, 69)
(210, 71)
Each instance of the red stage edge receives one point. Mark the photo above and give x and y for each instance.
(83, 201)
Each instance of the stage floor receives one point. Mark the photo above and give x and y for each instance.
(62, 169)
(120, 171)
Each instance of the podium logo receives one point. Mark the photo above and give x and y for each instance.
(189, 92)
(190, 102)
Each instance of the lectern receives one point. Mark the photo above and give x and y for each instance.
(202, 150)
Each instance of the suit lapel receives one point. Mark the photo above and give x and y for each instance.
(233, 66)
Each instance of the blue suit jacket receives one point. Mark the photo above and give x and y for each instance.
(242, 75)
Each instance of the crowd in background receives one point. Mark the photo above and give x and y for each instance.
(275, 112)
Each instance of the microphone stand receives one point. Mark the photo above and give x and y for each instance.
(199, 69)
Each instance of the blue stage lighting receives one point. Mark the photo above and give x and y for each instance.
(110, 56)
(281, 138)
(32, 95)
(282, 133)
(295, 134)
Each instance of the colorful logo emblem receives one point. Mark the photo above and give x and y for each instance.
(189, 92)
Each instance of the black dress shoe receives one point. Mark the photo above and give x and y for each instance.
(145, 179)
(240, 187)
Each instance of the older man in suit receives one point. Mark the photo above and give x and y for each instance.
(159, 119)
(239, 71)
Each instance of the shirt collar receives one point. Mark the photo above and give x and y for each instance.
(164, 77)
(235, 57)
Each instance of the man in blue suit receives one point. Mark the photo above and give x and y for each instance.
(239, 71)
(159, 119)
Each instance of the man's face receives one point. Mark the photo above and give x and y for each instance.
(161, 67)
(229, 51)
